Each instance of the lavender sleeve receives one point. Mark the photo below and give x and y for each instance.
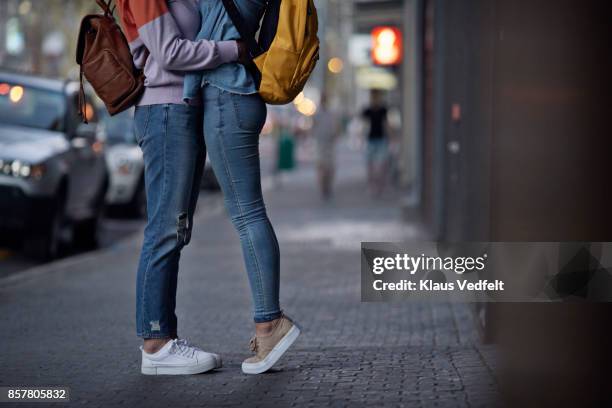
(164, 41)
(193, 79)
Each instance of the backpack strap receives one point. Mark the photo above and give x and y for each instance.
(82, 103)
(106, 6)
(248, 37)
(269, 25)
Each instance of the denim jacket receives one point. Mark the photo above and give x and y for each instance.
(217, 26)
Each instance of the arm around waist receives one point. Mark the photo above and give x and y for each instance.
(160, 34)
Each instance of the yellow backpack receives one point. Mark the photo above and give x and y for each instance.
(287, 49)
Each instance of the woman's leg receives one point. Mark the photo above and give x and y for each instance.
(171, 140)
(232, 124)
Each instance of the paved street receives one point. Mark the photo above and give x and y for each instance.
(71, 323)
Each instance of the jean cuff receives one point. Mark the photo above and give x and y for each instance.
(268, 317)
(157, 335)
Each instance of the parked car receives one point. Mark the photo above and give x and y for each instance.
(53, 176)
(125, 165)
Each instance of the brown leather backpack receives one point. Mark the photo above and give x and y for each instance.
(106, 61)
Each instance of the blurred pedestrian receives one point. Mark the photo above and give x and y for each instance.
(326, 131)
(377, 154)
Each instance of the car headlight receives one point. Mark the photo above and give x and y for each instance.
(21, 169)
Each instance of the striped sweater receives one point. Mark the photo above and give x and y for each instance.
(166, 29)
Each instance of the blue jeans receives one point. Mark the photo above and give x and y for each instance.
(170, 137)
(232, 123)
(174, 151)
(377, 151)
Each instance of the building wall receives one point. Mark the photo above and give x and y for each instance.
(527, 161)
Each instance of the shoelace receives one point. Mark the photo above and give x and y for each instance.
(185, 342)
(253, 344)
(182, 348)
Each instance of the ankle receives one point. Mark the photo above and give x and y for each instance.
(265, 329)
(152, 346)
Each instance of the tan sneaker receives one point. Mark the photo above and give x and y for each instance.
(268, 350)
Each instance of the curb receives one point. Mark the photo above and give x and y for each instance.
(131, 242)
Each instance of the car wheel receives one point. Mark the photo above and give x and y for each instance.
(45, 245)
(86, 233)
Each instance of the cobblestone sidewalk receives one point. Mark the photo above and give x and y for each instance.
(71, 324)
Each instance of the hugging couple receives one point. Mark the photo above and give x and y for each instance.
(199, 98)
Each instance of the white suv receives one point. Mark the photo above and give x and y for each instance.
(125, 164)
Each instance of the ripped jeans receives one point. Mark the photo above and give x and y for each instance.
(174, 151)
(171, 140)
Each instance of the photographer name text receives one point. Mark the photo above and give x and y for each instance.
(432, 286)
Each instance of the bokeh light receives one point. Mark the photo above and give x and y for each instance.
(335, 65)
(16, 94)
(386, 46)
(299, 99)
(307, 107)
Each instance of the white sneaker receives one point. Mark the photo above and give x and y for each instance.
(177, 357)
(218, 361)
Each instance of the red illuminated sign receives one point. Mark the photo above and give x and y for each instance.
(386, 46)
